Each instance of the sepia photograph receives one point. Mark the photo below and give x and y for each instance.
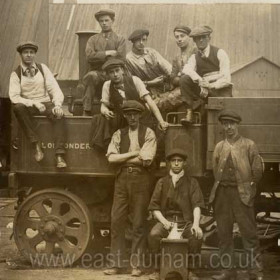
(139, 139)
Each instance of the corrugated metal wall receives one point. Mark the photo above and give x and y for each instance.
(245, 31)
(21, 20)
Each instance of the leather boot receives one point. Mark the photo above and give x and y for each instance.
(226, 275)
(189, 117)
(39, 155)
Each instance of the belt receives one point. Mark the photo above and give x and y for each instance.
(131, 169)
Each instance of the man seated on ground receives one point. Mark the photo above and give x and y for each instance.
(122, 86)
(177, 198)
(34, 91)
(187, 48)
(133, 148)
(153, 70)
(207, 73)
(98, 49)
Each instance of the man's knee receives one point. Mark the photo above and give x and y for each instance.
(19, 107)
(91, 78)
(185, 80)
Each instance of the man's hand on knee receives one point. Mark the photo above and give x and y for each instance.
(40, 106)
(57, 111)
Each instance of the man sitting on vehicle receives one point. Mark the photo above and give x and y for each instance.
(34, 91)
(207, 73)
(177, 198)
(153, 70)
(121, 87)
(98, 49)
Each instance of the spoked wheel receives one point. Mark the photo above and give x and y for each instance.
(52, 227)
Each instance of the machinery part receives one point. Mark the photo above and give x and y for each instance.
(53, 227)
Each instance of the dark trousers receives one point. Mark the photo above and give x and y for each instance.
(24, 116)
(131, 198)
(190, 91)
(228, 208)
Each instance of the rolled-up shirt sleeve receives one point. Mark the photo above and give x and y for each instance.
(15, 90)
(114, 146)
(106, 93)
(190, 69)
(155, 203)
(140, 87)
(52, 87)
(148, 150)
(196, 195)
(224, 65)
(165, 66)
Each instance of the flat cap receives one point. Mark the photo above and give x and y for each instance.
(176, 152)
(182, 28)
(104, 12)
(111, 63)
(27, 44)
(132, 105)
(229, 115)
(137, 34)
(201, 30)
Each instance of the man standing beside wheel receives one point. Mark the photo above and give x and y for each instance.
(98, 49)
(133, 148)
(237, 169)
(34, 91)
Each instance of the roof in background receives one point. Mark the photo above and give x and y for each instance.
(244, 31)
(237, 67)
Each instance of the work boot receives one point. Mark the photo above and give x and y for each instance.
(39, 155)
(193, 276)
(154, 276)
(136, 272)
(188, 119)
(60, 162)
(226, 275)
(112, 271)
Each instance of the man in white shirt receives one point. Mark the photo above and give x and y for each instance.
(133, 148)
(207, 73)
(34, 91)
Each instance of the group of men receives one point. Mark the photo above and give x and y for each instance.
(177, 197)
(197, 72)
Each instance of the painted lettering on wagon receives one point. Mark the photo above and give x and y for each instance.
(69, 146)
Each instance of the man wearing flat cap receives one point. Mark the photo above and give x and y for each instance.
(237, 169)
(99, 48)
(187, 48)
(207, 73)
(121, 87)
(177, 198)
(133, 149)
(34, 91)
(151, 68)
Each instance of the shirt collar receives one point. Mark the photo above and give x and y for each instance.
(24, 67)
(206, 51)
(236, 138)
(139, 55)
(176, 177)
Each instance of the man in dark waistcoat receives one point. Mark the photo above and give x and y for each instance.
(207, 73)
(177, 198)
(133, 148)
(99, 48)
(237, 169)
(121, 87)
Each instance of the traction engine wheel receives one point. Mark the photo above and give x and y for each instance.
(52, 227)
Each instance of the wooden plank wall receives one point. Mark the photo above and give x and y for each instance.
(21, 20)
(245, 31)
